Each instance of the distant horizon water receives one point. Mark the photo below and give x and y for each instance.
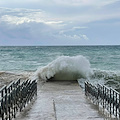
(74, 45)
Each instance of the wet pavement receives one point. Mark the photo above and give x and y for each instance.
(60, 100)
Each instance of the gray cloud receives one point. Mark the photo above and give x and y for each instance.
(58, 2)
(55, 22)
(33, 26)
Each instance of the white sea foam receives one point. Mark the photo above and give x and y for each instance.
(106, 75)
(66, 68)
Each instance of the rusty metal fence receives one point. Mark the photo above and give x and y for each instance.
(15, 97)
(105, 97)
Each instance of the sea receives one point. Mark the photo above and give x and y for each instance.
(97, 64)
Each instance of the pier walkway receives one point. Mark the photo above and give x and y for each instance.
(60, 100)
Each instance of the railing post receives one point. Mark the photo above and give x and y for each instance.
(2, 105)
(116, 103)
(86, 88)
(103, 98)
(113, 101)
(110, 101)
(119, 105)
(14, 99)
(6, 103)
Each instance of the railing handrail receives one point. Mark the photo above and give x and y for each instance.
(2, 88)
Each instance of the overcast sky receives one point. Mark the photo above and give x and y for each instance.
(59, 22)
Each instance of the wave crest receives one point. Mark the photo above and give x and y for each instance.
(66, 68)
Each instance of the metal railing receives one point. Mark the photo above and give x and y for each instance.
(15, 97)
(107, 98)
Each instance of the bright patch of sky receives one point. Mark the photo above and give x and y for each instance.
(59, 22)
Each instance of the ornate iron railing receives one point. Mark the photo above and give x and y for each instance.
(15, 97)
(106, 97)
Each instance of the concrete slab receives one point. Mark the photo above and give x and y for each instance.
(60, 100)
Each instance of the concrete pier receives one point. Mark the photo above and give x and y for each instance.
(60, 100)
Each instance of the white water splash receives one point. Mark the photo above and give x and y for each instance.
(66, 68)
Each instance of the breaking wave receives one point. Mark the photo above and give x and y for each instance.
(66, 68)
(106, 75)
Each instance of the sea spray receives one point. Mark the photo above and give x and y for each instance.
(66, 68)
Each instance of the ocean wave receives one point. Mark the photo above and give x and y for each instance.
(66, 68)
(106, 75)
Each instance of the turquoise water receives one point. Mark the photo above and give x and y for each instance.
(104, 60)
(30, 58)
